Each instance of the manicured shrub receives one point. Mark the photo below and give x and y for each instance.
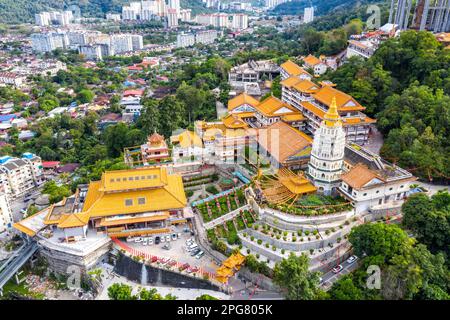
(283, 251)
(259, 241)
(307, 233)
(294, 239)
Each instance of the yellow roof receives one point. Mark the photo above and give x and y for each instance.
(293, 117)
(344, 101)
(73, 220)
(114, 222)
(233, 121)
(271, 106)
(187, 139)
(311, 60)
(121, 180)
(293, 69)
(240, 100)
(160, 198)
(295, 183)
(289, 82)
(306, 86)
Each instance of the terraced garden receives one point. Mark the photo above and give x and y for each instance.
(314, 205)
(229, 229)
(220, 206)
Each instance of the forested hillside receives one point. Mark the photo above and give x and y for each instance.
(321, 7)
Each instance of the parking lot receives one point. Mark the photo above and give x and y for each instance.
(177, 251)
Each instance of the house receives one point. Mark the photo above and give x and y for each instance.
(317, 65)
(290, 68)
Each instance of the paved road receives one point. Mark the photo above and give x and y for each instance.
(330, 277)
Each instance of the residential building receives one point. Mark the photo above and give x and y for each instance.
(239, 21)
(186, 15)
(91, 52)
(6, 218)
(121, 43)
(206, 37)
(172, 18)
(308, 15)
(19, 175)
(317, 65)
(185, 40)
(12, 79)
(46, 42)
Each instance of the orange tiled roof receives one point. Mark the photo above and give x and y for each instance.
(311, 60)
(241, 99)
(344, 101)
(293, 69)
(233, 121)
(283, 141)
(359, 176)
(289, 82)
(271, 105)
(306, 86)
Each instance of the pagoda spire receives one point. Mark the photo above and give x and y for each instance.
(332, 117)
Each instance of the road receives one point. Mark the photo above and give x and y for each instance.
(330, 277)
(18, 204)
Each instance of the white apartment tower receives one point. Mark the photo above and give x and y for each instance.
(6, 219)
(308, 15)
(327, 155)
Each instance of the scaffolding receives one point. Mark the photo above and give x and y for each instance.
(431, 15)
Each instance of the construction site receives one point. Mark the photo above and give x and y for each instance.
(431, 15)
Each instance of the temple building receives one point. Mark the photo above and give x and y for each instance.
(327, 155)
(372, 183)
(155, 150)
(123, 203)
(283, 145)
(313, 101)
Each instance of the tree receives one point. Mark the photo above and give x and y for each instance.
(85, 96)
(345, 289)
(56, 193)
(429, 219)
(379, 239)
(119, 291)
(149, 120)
(292, 275)
(206, 297)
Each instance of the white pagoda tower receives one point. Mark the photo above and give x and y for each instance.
(327, 155)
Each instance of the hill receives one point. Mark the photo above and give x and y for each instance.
(296, 7)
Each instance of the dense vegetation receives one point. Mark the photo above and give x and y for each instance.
(406, 86)
(409, 268)
(321, 7)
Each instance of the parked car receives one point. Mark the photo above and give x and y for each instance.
(130, 239)
(167, 238)
(167, 246)
(150, 241)
(163, 239)
(320, 280)
(199, 255)
(145, 241)
(157, 240)
(138, 239)
(352, 259)
(194, 252)
(337, 269)
(179, 235)
(174, 236)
